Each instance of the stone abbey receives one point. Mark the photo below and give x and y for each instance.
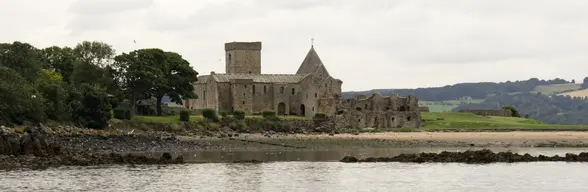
(309, 91)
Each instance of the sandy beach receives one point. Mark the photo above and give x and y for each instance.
(459, 136)
(446, 139)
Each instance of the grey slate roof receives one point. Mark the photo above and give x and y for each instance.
(261, 78)
(202, 79)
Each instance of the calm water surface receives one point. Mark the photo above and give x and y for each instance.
(310, 171)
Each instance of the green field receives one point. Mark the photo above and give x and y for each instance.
(446, 106)
(433, 121)
(468, 121)
(557, 88)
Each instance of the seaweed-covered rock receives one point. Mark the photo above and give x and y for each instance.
(470, 156)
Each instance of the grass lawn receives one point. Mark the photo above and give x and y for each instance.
(176, 118)
(440, 121)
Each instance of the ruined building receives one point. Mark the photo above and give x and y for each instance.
(309, 91)
(378, 112)
(243, 87)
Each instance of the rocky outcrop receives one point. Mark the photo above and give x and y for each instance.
(470, 156)
(31, 150)
(31, 143)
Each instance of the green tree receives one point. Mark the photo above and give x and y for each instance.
(55, 93)
(62, 60)
(23, 58)
(154, 73)
(137, 73)
(177, 80)
(92, 110)
(94, 64)
(19, 100)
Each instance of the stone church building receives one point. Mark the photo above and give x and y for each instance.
(243, 87)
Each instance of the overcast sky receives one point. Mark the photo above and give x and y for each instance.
(368, 44)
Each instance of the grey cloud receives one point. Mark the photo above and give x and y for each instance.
(91, 7)
(385, 43)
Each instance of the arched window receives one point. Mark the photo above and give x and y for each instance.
(264, 89)
(229, 58)
(253, 87)
(293, 91)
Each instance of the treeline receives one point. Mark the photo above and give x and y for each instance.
(82, 84)
(552, 110)
(457, 91)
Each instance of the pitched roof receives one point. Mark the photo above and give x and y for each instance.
(261, 78)
(202, 79)
(311, 64)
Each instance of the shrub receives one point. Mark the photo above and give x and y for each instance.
(122, 113)
(319, 118)
(268, 114)
(240, 115)
(515, 112)
(210, 114)
(93, 110)
(223, 114)
(185, 115)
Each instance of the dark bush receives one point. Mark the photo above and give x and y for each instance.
(515, 112)
(210, 114)
(185, 115)
(223, 114)
(240, 115)
(268, 114)
(122, 113)
(93, 110)
(319, 118)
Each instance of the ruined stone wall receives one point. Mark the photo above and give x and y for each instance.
(242, 95)
(489, 112)
(243, 57)
(329, 93)
(378, 112)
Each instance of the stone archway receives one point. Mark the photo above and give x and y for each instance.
(302, 110)
(281, 108)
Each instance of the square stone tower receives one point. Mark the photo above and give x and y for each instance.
(243, 57)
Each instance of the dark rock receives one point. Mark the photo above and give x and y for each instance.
(349, 159)
(470, 156)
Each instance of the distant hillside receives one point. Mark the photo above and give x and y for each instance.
(579, 93)
(557, 88)
(455, 92)
(548, 109)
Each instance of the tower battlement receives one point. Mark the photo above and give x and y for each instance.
(243, 46)
(243, 57)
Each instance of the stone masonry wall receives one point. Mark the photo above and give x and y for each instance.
(378, 112)
(243, 57)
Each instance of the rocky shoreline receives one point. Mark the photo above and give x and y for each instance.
(471, 157)
(33, 150)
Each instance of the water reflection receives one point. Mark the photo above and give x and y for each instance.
(301, 176)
